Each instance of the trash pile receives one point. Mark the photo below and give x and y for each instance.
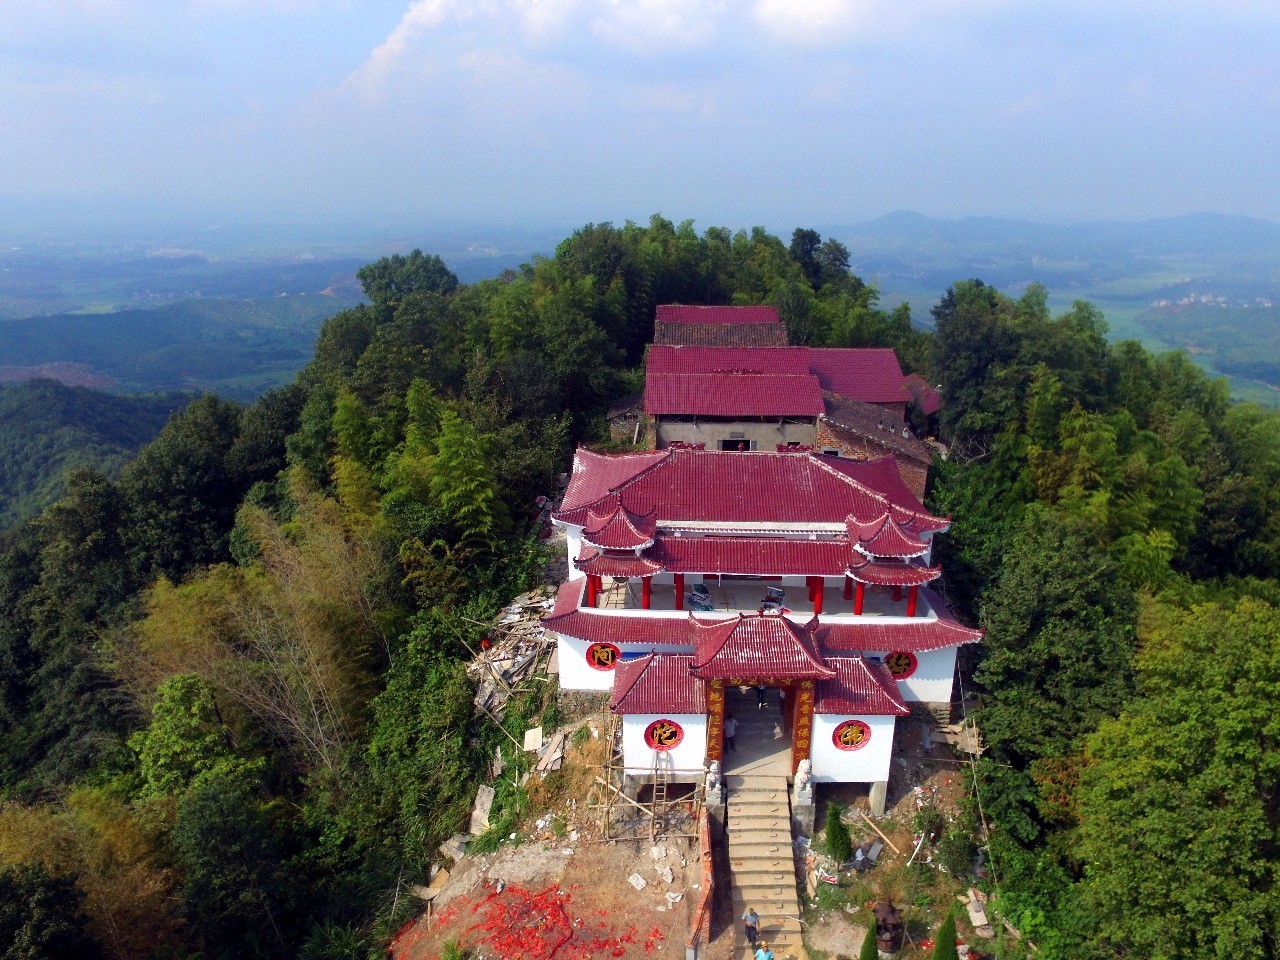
(514, 647)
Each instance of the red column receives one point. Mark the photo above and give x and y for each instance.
(912, 593)
(897, 593)
(591, 590)
(858, 598)
(817, 595)
(848, 587)
(646, 591)
(679, 591)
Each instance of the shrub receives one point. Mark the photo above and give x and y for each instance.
(946, 940)
(869, 951)
(838, 843)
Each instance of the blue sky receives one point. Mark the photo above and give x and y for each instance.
(780, 112)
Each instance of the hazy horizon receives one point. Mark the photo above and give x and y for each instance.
(559, 112)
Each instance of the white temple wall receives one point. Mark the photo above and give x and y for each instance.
(687, 757)
(933, 677)
(573, 547)
(867, 764)
(576, 672)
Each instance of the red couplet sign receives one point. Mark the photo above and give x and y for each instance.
(901, 664)
(603, 656)
(851, 735)
(663, 735)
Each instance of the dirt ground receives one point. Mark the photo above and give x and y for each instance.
(562, 893)
(567, 899)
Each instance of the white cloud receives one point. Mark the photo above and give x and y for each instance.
(654, 26)
(387, 58)
(812, 21)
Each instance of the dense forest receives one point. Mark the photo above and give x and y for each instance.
(48, 429)
(233, 716)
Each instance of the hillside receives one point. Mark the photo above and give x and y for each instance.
(235, 348)
(48, 429)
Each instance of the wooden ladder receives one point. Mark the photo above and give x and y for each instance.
(658, 823)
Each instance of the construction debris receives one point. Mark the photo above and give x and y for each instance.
(456, 846)
(480, 810)
(514, 648)
(533, 739)
(976, 905)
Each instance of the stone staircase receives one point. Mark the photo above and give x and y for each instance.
(761, 862)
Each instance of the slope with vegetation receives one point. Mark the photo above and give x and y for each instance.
(234, 719)
(48, 430)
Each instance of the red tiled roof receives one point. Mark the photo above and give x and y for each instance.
(602, 564)
(780, 361)
(682, 313)
(719, 334)
(657, 683)
(882, 476)
(568, 599)
(915, 635)
(832, 639)
(619, 528)
(884, 537)
(895, 574)
(644, 629)
(752, 556)
(859, 688)
(729, 488)
(756, 645)
(921, 393)
(729, 394)
(871, 375)
(595, 475)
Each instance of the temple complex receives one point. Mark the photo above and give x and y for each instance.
(804, 575)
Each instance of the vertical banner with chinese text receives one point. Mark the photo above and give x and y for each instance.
(715, 720)
(803, 734)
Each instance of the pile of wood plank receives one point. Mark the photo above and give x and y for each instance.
(515, 648)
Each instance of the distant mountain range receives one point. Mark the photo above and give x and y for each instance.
(1189, 235)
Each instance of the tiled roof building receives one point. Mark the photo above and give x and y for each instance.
(696, 571)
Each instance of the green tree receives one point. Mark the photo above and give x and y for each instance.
(1178, 802)
(839, 844)
(390, 280)
(946, 939)
(231, 861)
(185, 739)
(40, 917)
(1060, 641)
(869, 950)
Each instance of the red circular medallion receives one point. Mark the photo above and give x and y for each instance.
(901, 664)
(663, 735)
(603, 656)
(851, 735)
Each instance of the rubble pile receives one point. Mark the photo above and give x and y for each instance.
(515, 647)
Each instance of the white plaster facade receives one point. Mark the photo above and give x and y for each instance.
(868, 764)
(687, 757)
(933, 677)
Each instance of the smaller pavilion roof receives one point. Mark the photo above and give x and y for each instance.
(623, 564)
(619, 528)
(859, 687)
(885, 537)
(757, 645)
(923, 394)
(915, 635)
(657, 683)
(895, 574)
